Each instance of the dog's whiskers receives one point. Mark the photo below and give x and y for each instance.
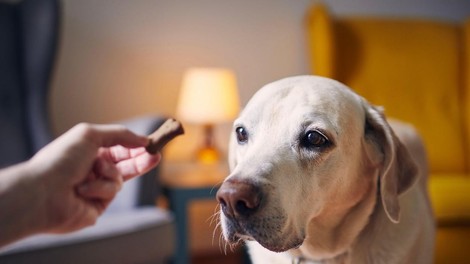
(215, 218)
(224, 245)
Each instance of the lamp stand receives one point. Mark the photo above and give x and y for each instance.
(208, 153)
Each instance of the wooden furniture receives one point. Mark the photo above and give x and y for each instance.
(184, 183)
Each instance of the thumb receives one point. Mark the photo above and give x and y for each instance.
(111, 135)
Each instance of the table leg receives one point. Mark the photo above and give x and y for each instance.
(179, 205)
(179, 199)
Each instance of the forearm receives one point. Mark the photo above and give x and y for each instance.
(43, 194)
(18, 204)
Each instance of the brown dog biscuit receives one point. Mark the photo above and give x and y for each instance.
(164, 134)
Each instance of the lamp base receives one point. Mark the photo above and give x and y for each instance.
(208, 155)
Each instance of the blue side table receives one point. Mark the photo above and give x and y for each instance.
(184, 182)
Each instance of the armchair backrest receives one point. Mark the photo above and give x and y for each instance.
(416, 69)
(29, 31)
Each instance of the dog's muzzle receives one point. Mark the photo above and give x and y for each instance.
(249, 216)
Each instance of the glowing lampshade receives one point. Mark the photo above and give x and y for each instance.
(208, 96)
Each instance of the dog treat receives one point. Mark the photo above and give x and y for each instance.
(164, 134)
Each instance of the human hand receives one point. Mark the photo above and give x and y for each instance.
(79, 173)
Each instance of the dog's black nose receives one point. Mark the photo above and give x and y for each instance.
(238, 198)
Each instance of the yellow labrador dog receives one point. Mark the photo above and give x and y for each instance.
(319, 176)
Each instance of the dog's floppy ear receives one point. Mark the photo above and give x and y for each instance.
(398, 171)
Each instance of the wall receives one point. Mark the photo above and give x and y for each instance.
(125, 58)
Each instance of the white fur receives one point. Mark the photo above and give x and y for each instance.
(328, 200)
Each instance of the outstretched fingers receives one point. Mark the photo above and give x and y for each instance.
(137, 165)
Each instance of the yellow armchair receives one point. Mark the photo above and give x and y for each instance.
(419, 70)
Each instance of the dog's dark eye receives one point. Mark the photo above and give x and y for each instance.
(242, 135)
(314, 139)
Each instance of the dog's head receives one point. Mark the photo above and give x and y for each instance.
(307, 149)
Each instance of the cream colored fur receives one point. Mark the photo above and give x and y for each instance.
(361, 200)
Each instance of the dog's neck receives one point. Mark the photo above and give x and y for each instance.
(332, 236)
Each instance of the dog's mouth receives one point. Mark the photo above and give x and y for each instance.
(267, 231)
(248, 212)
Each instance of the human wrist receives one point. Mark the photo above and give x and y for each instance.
(20, 201)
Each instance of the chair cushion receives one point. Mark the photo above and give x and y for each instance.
(144, 235)
(450, 198)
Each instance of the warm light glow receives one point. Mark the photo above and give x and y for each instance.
(208, 96)
(208, 155)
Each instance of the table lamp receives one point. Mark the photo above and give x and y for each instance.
(208, 96)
